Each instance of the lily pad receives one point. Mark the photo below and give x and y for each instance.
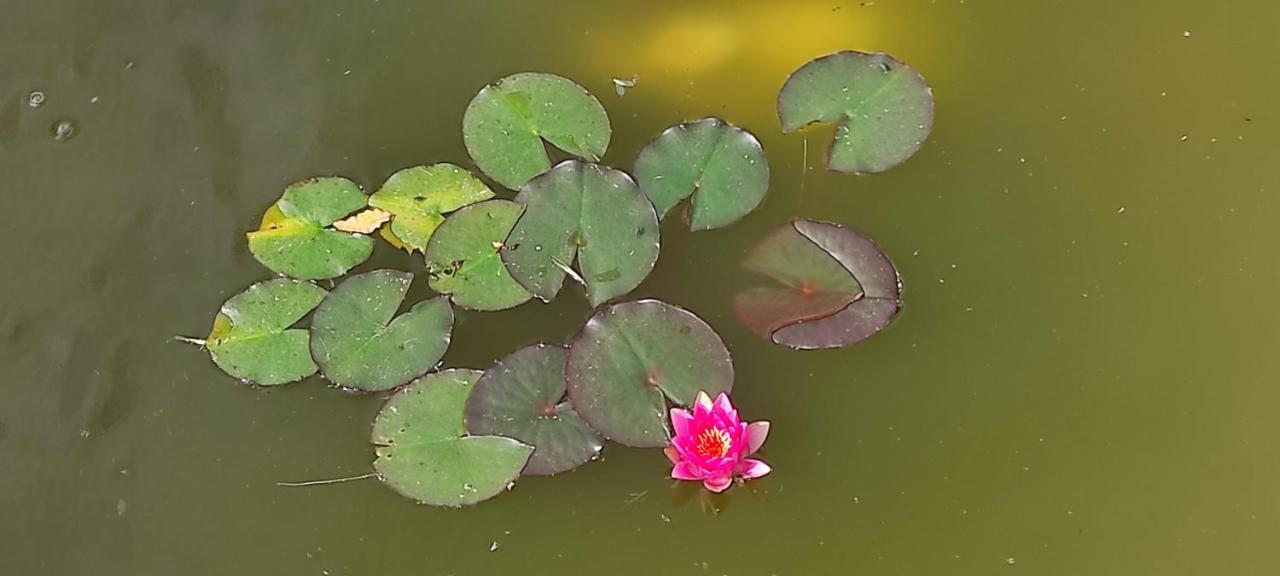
(358, 345)
(632, 357)
(522, 397)
(423, 451)
(296, 238)
(505, 124)
(882, 108)
(251, 338)
(836, 287)
(464, 260)
(722, 166)
(589, 212)
(419, 197)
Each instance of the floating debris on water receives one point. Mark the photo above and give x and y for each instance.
(64, 130)
(620, 85)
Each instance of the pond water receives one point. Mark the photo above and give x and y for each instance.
(1083, 380)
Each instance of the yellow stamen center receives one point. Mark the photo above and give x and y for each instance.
(713, 443)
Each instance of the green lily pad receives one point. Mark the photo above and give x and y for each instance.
(419, 197)
(295, 238)
(358, 345)
(522, 397)
(251, 339)
(423, 451)
(632, 357)
(722, 166)
(587, 211)
(464, 259)
(883, 109)
(505, 124)
(836, 287)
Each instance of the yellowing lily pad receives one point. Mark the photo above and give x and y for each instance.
(834, 287)
(522, 397)
(358, 345)
(505, 124)
(720, 165)
(297, 239)
(251, 338)
(631, 358)
(883, 109)
(419, 197)
(586, 212)
(424, 452)
(464, 259)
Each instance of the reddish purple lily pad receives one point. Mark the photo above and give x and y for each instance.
(632, 357)
(836, 287)
(523, 397)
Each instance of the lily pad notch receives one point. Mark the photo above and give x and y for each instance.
(833, 287)
(882, 108)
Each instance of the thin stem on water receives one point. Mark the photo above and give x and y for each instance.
(325, 482)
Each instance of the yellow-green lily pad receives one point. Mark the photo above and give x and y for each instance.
(252, 339)
(296, 237)
(419, 197)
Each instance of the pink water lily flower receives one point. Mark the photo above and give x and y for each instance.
(713, 445)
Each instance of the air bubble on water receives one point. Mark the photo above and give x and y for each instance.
(63, 130)
(35, 99)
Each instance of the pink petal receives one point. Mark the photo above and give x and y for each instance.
(717, 484)
(672, 454)
(757, 432)
(702, 401)
(680, 420)
(724, 406)
(752, 468)
(683, 471)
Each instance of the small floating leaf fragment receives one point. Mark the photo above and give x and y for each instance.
(621, 85)
(365, 222)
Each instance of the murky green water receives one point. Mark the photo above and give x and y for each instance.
(1083, 381)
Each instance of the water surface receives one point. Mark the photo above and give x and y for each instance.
(1083, 380)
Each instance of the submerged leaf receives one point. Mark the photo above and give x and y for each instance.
(296, 239)
(883, 109)
(523, 397)
(836, 287)
(722, 166)
(358, 345)
(463, 257)
(505, 124)
(590, 212)
(419, 197)
(251, 338)
(631, 357)
(423, 451)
